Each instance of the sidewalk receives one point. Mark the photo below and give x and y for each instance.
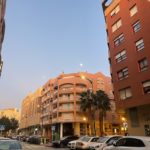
(47, 145)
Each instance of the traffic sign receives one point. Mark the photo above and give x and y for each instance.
(2, 127)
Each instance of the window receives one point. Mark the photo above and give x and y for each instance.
(146, 87)
(115, 11)
(139, 45)
(122, 74)
(143, 64)
(133, 10)
(134, 118)
(118, 40)
(121, 56)
(125, 93)
(117, 25)
(136, 26)
(130, 142)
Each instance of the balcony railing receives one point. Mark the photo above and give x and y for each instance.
(67, 90)
(54, 120)
(66, 109)
(54, 101)
(80, 90)
(65, 118)
(66, 100)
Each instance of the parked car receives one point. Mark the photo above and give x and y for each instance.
(35, 139)
(64, 141)
(104, 141)
(85, 142)
(9, 144)
(72, 144)
(131, 143)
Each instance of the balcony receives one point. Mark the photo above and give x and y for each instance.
(54, 120)
(66, 91)
(66, 100)
(66, 118)
(66, 109)
(54, 101)
(46, 122)
(54, 110)
(80, 90)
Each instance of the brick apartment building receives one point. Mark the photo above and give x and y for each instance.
(128, 28)
(2, 28)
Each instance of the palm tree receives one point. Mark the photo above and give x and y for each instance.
(87, 105)
(102, 105)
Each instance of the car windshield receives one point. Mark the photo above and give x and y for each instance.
(64, 137)
(82, 137)
(9, 145)
(111, 140)
(86, 138)
(102, 139)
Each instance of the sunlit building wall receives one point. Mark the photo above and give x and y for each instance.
(61, 103)
(10, 113)
(30, 113)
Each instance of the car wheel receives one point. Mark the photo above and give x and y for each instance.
(61, 145)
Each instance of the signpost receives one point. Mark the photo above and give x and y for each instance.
(2, 128)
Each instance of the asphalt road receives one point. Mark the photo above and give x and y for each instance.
(39, 147)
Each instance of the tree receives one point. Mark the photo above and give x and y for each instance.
(14, 124)
(9, 124)
(102, 105)
(87, 105)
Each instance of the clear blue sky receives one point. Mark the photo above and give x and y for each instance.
(44, 38)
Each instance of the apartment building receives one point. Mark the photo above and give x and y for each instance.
(127, 27)
(10, 113)
(2, 28)
(30, 114)
(61, 111)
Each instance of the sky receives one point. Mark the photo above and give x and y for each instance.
(44, 38)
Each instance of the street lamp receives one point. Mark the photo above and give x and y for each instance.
(91, 91)
(25, 123)
(84, 118)
(90, 80)
(125, 125)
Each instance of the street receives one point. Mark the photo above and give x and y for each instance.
(27, 146)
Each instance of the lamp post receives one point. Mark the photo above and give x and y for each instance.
(41, 118)
(125, 125)
(25, 123)
(91, 91)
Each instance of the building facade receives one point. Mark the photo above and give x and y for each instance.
(127, 27)
(54, 111)
(61, 113)
(10, 113)
(30, 114)
(2, 28)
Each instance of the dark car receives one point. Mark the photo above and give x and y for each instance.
(64, 141)
(34, 139)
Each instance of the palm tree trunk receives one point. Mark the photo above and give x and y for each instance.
(101, 132)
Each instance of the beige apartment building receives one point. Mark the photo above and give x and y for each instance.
(30, 114)
(61, 113)
(10, 113)
(54, 110)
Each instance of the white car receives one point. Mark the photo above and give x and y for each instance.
(104, 141)
(72, 144)
(85, 142)
(131, 143)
